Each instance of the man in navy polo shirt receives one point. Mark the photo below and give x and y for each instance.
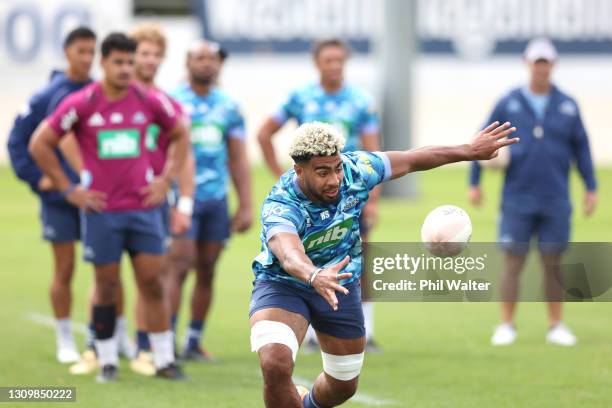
(535, 198)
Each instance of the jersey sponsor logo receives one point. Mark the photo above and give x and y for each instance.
(151, 137)
(68, 120)
(277, 210)
(116, 118)
(351, 202)
(118, 144)
(328, 237)
(206, 135)
(96, 120)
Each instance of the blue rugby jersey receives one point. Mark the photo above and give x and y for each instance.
(350, 109)
(328, 232)
(215, 118)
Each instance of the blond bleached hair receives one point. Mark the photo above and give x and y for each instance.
(315, 139)
(149, 32)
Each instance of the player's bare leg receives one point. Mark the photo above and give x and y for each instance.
(148, 269)
(276, 360)
(206, 259)
(182, 258)
(505, 333)
(104, 313)
(328, 391)
(558, 333)
(61, 300)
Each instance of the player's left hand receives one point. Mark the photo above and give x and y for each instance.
(242, 220)
(179, 222)
(590, 203)
(488, 141)
(155, 192)
(370, 214)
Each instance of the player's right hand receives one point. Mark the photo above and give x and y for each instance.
(327, 282)
(86, 199)
(475, 196)
(488, 141)
(45, 184)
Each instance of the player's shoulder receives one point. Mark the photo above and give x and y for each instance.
(358, 94)
(225, 98)
(44, 94)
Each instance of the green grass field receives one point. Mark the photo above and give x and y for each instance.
(435, 354)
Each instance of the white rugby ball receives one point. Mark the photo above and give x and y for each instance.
(446, 230)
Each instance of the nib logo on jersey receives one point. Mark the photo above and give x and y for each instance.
(118, 144)
(328, 237)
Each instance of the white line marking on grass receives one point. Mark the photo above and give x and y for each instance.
(49, 322)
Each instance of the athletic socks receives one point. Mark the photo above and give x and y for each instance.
(173, 320)
(63, 333)
(310, 401)
(104, 320)
(163, 348)
(368, 317)
(142, 341)
(90, 336)
(194, 334)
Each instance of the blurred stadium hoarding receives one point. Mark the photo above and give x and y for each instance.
(469, 28)
(279, 32)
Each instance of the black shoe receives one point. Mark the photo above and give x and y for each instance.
(108, 373)
(372, 347)
(199, 354)
(170, 372)
(310, 346)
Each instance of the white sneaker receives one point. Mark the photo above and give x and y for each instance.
(504, 335)
(560, 335)
(67, 354)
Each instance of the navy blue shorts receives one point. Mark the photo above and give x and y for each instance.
(516, 230)
(60, 222)
(345, 323)
(210, 221)
(107, 234)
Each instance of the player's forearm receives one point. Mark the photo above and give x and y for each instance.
(186, 184)
(240, 173)
(293, 259)
(177, 150)
(264, 137)
(42, 149)
(427, 158)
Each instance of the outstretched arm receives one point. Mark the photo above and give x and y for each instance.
(484, 147)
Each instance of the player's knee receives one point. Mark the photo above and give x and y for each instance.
(150, 287)
(181, 263)
(276, 363)
(64, 271)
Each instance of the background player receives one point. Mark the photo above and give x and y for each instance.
(535, 198)
(60, 220)
(351, 110)
(309, 267)
(150, 52)
(118, 192)
(218, 145)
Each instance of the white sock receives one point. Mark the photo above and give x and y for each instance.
(63, 332)
(310, 335)
(368, 317)
(108, 351)
(120, 327)
(163, 348)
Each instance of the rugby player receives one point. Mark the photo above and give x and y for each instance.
(309, 267)
(219, 149)
(60, 220)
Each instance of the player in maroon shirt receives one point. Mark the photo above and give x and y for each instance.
(119, 193)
